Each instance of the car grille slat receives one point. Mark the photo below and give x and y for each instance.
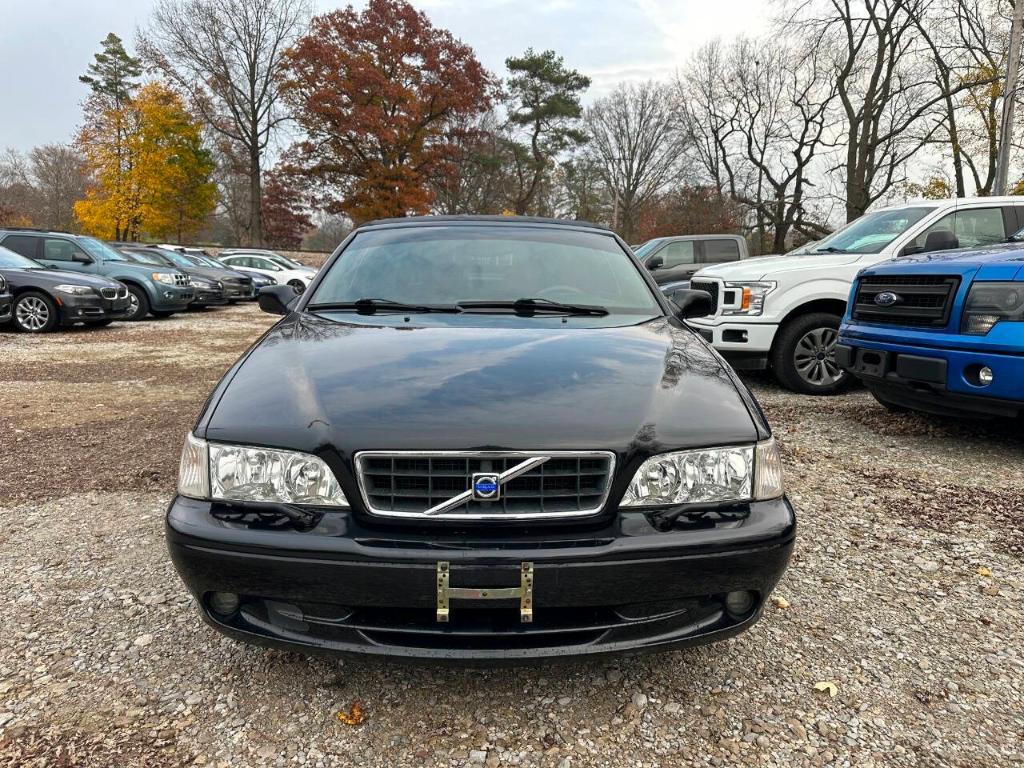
(711, 288)
(924, 301)
(405, 485)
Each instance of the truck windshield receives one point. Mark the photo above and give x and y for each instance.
(647, 247)
(872, 231)
(447, 265)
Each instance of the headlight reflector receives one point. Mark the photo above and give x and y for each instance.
(988, 303)
(243, 473)
(74, 290)
(708, 476)
(164, 277)
(751, 297)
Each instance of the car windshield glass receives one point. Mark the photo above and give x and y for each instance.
(178, 259)
(647, 247)
(147, 258)
(208, 261)
(12, 260)
(100, 250)
(445, 265)
(872, 231)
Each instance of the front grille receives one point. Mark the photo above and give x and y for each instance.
(108, 293)
(181, 280)
(922, 301)
(242, 281)
(401, 484)
(711, 288)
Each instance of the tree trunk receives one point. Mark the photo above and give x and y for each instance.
(255, 198)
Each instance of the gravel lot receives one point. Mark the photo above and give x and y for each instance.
(905, 594)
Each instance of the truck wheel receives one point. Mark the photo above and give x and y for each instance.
(139, 303)
(34, 312)
(804, 355)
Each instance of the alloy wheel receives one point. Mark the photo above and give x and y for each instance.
(32, 313)
(133, 304)
(815, 357)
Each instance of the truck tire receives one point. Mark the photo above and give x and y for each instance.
(140, 303)
(803, 357)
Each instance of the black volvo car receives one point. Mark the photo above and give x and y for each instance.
(481, 438)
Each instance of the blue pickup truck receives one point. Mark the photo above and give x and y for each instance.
(940, 332)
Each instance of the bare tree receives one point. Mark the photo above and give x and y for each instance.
(636, 145)
(478, 174)
(59, 178)
(758, 116)
(227, 54)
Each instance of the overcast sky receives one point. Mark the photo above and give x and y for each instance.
(46, 44)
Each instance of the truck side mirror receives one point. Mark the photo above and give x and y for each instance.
(691, 303)
(655, 262)
(277, 299)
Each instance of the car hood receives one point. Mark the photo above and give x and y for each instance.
(764, 267)
(213, 273)
(144, 269)
(51, 277)
(998, 253)
(312, 384)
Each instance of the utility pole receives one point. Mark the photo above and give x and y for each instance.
(1009, 100)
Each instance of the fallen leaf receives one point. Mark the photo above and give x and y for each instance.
(354, 716)
(780, 602)
(983, 571)
(828, 687)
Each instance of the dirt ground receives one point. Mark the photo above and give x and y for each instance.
(896, 636)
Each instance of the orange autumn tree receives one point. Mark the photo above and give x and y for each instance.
(376, 93)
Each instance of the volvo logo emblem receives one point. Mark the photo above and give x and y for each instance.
(486, 486)
(887, 298)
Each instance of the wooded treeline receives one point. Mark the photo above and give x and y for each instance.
(255, 122)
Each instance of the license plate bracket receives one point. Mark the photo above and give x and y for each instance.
(446, 593)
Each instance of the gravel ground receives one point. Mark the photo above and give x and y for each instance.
(903, 602)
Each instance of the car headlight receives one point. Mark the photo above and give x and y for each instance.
(242, 473)
(200, 282)
(751, 297)
(989, 303)
(708, 476)
(164, 277)
(74, 290)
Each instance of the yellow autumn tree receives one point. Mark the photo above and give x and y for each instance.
(174, 168)
(151, 173)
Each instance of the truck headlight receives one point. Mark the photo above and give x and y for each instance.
(164, 277)
(988, 303)
(242, 473)
(74, 290)
(751, 297)
(708, 476)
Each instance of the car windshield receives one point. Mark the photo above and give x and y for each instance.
(446, 265)
(647, 247)
(209, 261)
(145, 257)
(872, 231)
(178, 259)
(12, 260)
(100, 250)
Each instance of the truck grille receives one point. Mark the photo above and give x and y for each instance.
(921, 301)
(403, 484)
(712, 288)
(181, 280)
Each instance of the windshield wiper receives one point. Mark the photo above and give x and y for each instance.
(531, 306)
(830, 249)
(370, 306)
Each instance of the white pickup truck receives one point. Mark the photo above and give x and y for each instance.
(783, 312)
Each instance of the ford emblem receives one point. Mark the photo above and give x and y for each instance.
(886, 299)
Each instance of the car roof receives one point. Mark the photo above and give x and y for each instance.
(481, 219)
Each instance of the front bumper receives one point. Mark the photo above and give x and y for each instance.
(78, 309)
(745, 345)
(342, 587)
(208, 298)
(935, 381)
(171, 298)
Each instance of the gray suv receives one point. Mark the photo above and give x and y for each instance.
(157, 291)
(676, 259)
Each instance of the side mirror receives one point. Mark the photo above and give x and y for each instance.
(910, 250)
(691, 303)
(941, 240)
(277, 299)
(80, 258)
(655, 262)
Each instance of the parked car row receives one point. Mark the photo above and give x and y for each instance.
(922, 302)
(58, 279)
